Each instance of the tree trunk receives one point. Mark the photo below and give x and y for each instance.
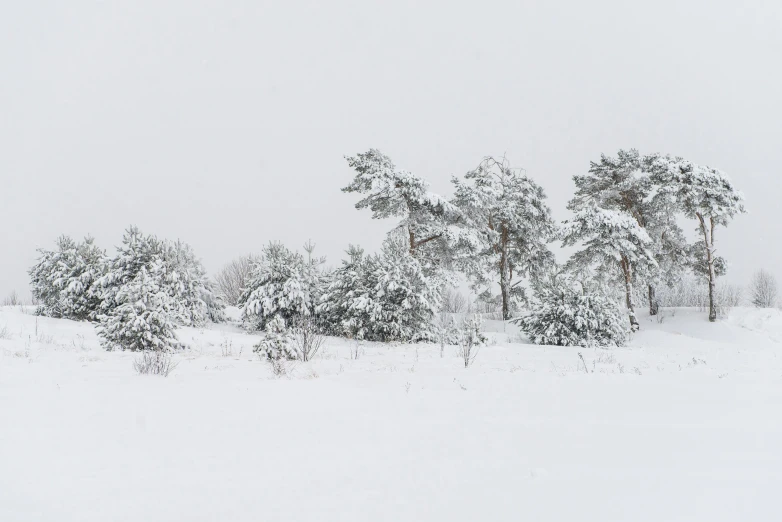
(628, 273)
(654, 306)
(504, 274)
(712, 277)
(708, 240)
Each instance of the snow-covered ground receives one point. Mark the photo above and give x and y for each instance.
(685, 424)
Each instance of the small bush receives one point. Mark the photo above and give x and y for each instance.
(154, 363)
(280, 367)
(277, 343)
(226, 347)
(563, 315)
(307, 337)
(470, 339)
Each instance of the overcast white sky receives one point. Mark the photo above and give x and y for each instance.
(225, 123)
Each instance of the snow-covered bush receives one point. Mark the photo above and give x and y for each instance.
(565, 315)
(283, 284)
(277, 342)
(175, 270)
(384, 297)
(141, 319)
(61, 279)
(470, 339)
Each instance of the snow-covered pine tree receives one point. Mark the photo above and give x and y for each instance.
(623, 184)
(215, 306)
(137, 251)
(61, 279)
(45, 274)
(283, 283)
(186, 282)
(176, 270)
(704, 194)
(345, 304)
(277, 342)
(508, 225)
(614, 245)
(141, 317)
(389, 192)
(405, 294)
(565, 313)
(91, 261)
(385, 297)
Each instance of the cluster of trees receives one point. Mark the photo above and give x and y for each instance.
(496, 227)
(626, 216)
(137, 298)
(495, 231)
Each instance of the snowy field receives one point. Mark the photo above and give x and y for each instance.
(685, 424)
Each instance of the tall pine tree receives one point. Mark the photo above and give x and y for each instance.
(704, 194)
(508, 227)
(614, 246)
(622, 184)
(390, 192)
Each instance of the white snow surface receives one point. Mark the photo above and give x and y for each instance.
(684, 424)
